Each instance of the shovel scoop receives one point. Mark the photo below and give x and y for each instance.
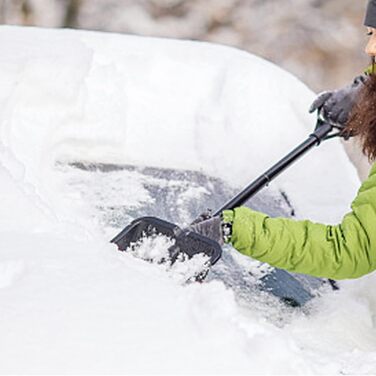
(185, 242)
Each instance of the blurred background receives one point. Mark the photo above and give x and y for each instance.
(320, 41)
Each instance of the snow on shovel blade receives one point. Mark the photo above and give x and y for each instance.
(186, 242)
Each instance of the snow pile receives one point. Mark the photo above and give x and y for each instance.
(70, 301)
(98, 97)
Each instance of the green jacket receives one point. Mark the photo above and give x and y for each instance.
(346, 250)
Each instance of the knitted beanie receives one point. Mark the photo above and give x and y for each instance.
(370, 19)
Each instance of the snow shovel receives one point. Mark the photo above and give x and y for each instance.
(188, 243)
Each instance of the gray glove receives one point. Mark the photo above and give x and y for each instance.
(211, 228)
(335, 106)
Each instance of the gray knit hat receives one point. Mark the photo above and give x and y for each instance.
(370, 19)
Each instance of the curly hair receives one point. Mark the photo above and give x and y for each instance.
(362, 119)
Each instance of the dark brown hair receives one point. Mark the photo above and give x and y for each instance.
(362, 119)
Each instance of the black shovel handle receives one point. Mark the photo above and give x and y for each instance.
(314, 139)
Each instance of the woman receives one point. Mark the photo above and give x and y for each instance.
(347, 250)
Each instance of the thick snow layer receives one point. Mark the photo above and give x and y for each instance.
(154, 102)
(72, 303)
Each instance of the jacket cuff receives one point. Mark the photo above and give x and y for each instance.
(228, 216)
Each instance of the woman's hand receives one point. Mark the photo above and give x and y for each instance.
(335, 106)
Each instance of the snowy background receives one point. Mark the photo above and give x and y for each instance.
(86, 122)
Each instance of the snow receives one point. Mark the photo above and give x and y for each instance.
(71, 303)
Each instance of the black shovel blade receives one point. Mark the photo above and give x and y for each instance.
(186, 242)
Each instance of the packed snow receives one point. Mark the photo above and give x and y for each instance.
(132, 107)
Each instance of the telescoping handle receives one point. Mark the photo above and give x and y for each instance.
(314, 139)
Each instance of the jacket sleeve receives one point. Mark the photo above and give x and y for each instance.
(343, 251)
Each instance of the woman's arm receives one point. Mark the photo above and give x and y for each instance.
(347, 250)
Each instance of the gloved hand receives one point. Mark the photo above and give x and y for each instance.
(207, 214)
(211, 228)
(335, 106)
